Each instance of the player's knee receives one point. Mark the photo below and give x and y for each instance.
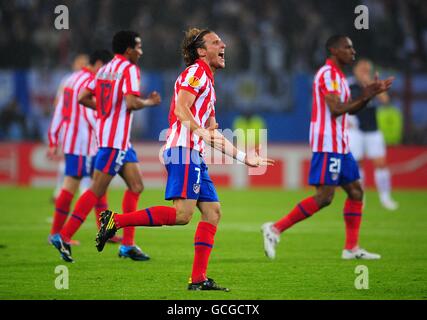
(183, 216)
(137, 187)
(325, 200)
(213, 216)
(98, 190)
(356, 194)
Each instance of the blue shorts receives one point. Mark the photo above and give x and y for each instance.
(328, 168)
(111, 161)
(188, 176)
(78, 166)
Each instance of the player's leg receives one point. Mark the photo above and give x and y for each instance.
(60, 175)
(100, 206)
(180, 187)
(353, 214)
(63, 203)
(179, 214)
(376, 150)
(86, 203)
(203, 244)
(104, 172)
(353, 210)
(73, 172)
(210, 208)
(306, 208)
(102, 203)
(183, 187)
(325, 182)
(132, 177)
(182, 176)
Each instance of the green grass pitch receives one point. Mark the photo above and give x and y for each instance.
(308, 264)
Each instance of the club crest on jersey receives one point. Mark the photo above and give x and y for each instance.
(194, 81)
(335, 85)
(196, 188)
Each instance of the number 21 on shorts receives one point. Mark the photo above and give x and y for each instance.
(334, 165)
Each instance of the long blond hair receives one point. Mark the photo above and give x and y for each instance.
(193, 39)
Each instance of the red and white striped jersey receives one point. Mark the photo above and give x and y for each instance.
(329, 133)
(112, 83)
(73, 124)
(198, 80)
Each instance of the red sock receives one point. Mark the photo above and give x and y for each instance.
(203, 243)
(62, 208)
(154, 216)
(352, 218)
(303, 210)
(82, 208)
(129, 204)
(100, 206)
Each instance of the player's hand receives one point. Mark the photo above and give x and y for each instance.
(386, 84)
(212, 137)
(377, 86)
(154, 98)
(213, 126)
(52, 153)
(257, 160)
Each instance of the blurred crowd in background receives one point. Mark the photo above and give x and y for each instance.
(270, 43)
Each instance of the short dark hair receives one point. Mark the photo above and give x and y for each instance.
(124, 39)
(332, 42)
(193, 39)
(102, 54)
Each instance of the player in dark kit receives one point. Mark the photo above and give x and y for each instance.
(366, 140)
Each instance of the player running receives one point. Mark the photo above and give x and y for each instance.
(80, 61)
(77, 139)
(365, 137)
(192, 124)
(116, 88)
(332, 163)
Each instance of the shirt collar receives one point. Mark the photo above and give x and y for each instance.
(206, 68)
(85, 69)
(331, 63)
(119, 56)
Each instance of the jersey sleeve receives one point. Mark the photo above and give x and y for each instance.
(132, 80)
(56, 123)
(193, 80)
(330, 83)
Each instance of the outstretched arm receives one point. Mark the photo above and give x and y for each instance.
(211, 135)
(134, 102)
(252, 161)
